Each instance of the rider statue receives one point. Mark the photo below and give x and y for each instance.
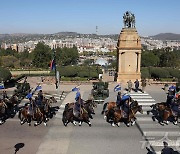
(129, 20)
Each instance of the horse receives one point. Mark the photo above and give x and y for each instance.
(12, 104)
(163, 112)
(88, 104)
(47, 106)
(118, 114)
(25, 115)
(85, 114)
(168, 113)
(3, 108)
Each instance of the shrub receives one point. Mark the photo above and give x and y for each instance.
(68, 71)
(145, 72)
(159, 72)
(5, 74)
(174, 72)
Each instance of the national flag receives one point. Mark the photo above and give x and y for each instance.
(117, 88)
(52, 65)
(2, 86)
(38, 88)
(75, 89)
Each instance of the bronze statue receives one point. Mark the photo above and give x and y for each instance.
(129, 20)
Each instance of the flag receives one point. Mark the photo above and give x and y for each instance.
(29, 95)
(38, 88)
(77, 95)
(52, 65)
(117, 88)
(2, 86)
(125, 97)
(75, 89)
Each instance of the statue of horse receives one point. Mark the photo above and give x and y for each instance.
(129, 20)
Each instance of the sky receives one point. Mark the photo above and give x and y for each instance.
(82, 16)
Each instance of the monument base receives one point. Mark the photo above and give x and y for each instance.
(124, 77)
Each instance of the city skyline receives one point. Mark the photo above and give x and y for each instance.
(47, 17)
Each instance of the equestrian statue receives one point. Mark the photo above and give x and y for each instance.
(129, 20)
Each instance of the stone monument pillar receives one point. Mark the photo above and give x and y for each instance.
(129, 52)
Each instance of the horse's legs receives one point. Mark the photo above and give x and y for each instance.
(165, 118)
(133, 121)
(44, 120)
(175, 120)
(29, 120)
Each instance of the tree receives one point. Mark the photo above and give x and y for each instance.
(67, 56)
(5, 74)
(41, 55)
(167, 59)
(10, 61)
(149, 59)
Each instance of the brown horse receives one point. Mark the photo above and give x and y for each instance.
(119, 116)
(25, 115)
(68, 114)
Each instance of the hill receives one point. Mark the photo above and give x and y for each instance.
(166, 36)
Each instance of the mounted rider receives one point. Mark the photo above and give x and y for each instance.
(5, 96)
(78, 104)
(119, 100)
(39, 99)
(125, 105)
(175, 106)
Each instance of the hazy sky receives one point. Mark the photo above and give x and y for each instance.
(51, 16)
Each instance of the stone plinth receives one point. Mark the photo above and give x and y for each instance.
(129, 55)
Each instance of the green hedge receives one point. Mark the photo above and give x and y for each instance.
(159, 72)
(5, 74)
(145, 73)
(80, 71)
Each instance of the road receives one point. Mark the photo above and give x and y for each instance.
(100, 138)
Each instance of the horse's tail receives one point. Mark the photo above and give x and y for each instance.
(64, 117)
(19, 115)
(66, 107)
(104, 108)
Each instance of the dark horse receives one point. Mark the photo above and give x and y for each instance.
(164, 113)
(85, 113)
(12, 104)
(117, 114)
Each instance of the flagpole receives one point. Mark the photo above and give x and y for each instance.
(54, 52)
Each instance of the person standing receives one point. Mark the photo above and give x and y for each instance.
(167, 149)
(129, 85)
(143, 84)
(136, 85)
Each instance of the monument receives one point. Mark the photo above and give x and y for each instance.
(128, 51)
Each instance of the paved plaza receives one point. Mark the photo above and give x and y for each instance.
(101, 138)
